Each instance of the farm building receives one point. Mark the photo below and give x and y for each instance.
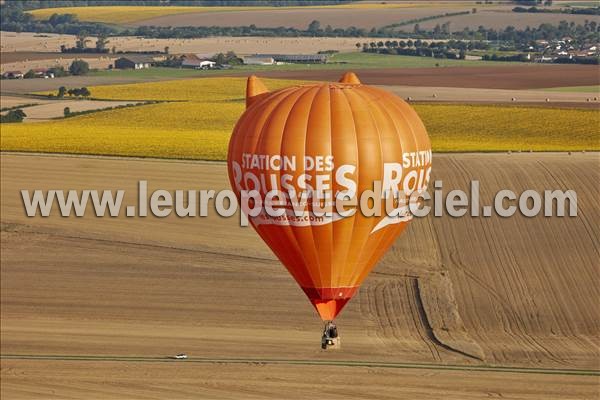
(196, 62)
(42, 73)
(134, 62)
(12, 75)
(256, 60)
(295, 58)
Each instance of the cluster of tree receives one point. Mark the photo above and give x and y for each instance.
(450, 49)
(170, 61)
(15, 20)
(578, 11)
(82, 41)
(79, 67)
(74, 92)
(229, 58)
(13, 116)
(513, 57)
(578, 60)
(33, 4)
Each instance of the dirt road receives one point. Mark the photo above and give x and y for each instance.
(517, 292)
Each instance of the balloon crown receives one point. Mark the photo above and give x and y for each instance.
(256, 89)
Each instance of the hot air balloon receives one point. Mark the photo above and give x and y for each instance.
(342, 138)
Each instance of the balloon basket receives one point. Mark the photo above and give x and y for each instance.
(330, 339)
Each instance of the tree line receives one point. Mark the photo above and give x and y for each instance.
(453, 49)
(35, 4)
(576, 11)
(15, 20)
(18, 21)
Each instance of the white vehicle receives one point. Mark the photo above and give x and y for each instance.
(181, 356)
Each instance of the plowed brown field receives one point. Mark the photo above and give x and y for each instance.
(504, 77)
(109, 298)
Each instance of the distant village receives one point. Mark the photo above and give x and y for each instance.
(564, 49)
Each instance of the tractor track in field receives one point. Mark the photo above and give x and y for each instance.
(273, 361)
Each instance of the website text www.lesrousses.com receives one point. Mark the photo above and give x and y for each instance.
(302, 208)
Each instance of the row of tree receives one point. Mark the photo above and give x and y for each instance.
(446, 45)
(576, 11)
(16, 20)
(453, 50)
(82, 41)
(587, 31)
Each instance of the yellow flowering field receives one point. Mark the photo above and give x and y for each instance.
(459, 127)
(199, 90)
(173, 130)
(131, 14)
(127, 14)
(197, 124)
(200, 116)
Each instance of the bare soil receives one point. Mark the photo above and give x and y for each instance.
(503, 77)
(515, 292)
(496, 96)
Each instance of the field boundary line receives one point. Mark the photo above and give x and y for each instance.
(340, 363)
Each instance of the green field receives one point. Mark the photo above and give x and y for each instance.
(340, 61)
(371, 60)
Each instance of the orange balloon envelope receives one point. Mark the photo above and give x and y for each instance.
(332, 141)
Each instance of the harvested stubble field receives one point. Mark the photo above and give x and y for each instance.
(107, 299)
(12, 42)
(198, 120)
